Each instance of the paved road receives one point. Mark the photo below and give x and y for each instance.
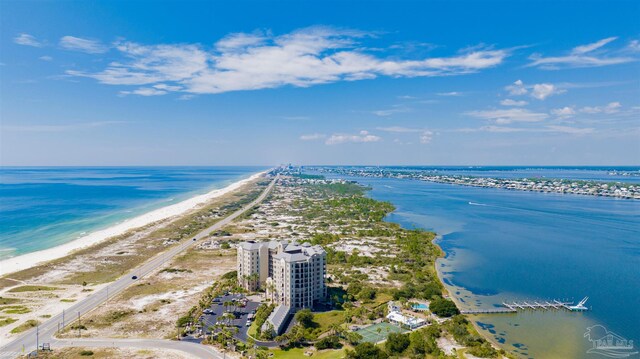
(26, 342)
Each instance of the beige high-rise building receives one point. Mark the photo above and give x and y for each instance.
(293, 274)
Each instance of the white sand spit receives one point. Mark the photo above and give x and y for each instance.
(29, 260)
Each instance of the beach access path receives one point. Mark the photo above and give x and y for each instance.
(45, 332)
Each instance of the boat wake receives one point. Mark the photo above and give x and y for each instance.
(478, 204)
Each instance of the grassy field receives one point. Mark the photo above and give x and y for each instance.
(296, 353)
(253, 330)
(326, 319)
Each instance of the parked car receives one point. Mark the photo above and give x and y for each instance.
(248, 323)
(134, 277)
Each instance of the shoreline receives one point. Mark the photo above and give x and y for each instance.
(28, 260)
(458, 304)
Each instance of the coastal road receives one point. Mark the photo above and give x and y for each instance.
(26, 342)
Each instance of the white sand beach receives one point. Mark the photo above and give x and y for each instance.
(28, 260)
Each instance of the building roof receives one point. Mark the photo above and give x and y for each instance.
(279, 316)
(299, 253)
(251, 245)
(291, 251)
(405, 319)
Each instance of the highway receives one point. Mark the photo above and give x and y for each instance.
(44, 333)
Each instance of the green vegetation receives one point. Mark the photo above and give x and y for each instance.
(327, 320)
(15, 309)
(305, 318)
(464, 333)
(297, 353)
(366, 351)
(261, 316)
(5, 301)
(32, 288)
(86, 353)
(176, 270)
(7, 321)
(397, 343)
(443, 307)
(25, 326)
(230, 275)
(329, 342)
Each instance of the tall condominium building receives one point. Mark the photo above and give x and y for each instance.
(292, 274)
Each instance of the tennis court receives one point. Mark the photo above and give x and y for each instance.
(378, 332)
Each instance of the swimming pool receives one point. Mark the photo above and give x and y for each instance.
(421, 306)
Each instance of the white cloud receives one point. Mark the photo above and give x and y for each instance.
(583, 49)
(186, 97)
(589, 55)
(313, 137)
(83, 45)
(426, 137)
(167, 87)
(145, 91)
(511, 115)
(517, 88)
(564, 111)
(510, 102)
(46, 58)
(303, 58)
(542, 91)
(633, 46)
(240, 41)
(538, 91)
(610, 108)
(452, 93)
(391, 111)
(27, 40)
(361, 137)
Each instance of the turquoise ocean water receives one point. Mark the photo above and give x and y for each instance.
(514, 245)
(42, 207)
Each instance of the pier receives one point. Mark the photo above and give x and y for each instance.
(514, 307)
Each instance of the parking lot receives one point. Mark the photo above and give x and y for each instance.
(217, 309)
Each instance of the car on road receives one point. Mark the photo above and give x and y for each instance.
(134, 277)
(248, 323)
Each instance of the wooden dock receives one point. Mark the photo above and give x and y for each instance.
(514, 307)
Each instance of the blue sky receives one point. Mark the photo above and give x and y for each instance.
(378, 82)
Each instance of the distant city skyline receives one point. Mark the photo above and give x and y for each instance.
(256, 83)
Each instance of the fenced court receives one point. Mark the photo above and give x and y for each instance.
(378, 332)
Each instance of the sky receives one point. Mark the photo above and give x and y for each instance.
(110, 83)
